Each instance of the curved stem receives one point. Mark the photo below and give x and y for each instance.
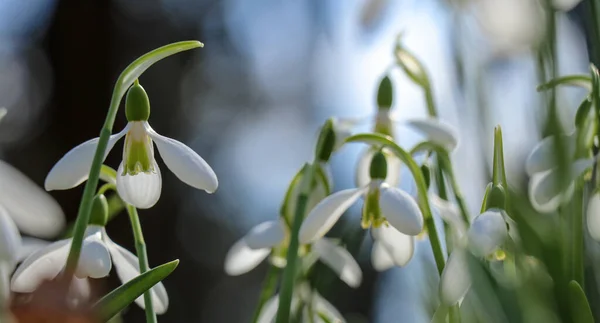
(289, 273)
(267, 291)
(140, 250)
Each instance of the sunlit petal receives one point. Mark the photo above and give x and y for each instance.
(487, 232)
(436, 131)
(73, 168)
(266, 235)
(455, 280)
(34, 211)
(399, 246)
(141, 190)
(42, 265)
(401, 210)
(127, 267)
(241, 259)
(363, 167)
(339, 260)
(323, 307)
(188, 166)
(325, 214)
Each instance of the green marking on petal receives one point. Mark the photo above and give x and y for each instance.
(138, 156)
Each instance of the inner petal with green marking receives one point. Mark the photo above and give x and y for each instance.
(138, 153)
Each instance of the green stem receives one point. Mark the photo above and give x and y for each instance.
(267, 290)
(577, 224)
(454, 314)
(289, 273)
(431, 110)
(460, 199)
(594, 31)
(140, 249)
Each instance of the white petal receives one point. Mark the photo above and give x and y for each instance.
(30, 245)
(544, 192)
(42, 265)
(363, 176)
(380, 258)
(241, 259)
(321, 305)
(34, 211)
(399, 246)
(10, 239)
(565, 5)
(74, 167)
(455, 280)
(593, 216)
(542, 156)
(401, 210)
(79, 291)
(436, 131)
(325, 214)
(127, 266)
(266, 235)
(141, 190)
(339, 260)
(487, 232)
(188, 166)
(94, 261)
(269, 310)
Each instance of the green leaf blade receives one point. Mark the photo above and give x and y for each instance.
(580, 308)
(117, 300)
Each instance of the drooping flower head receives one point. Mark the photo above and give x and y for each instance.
(139, 181)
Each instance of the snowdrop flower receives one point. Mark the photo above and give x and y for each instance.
(544, 189)
(393, 213)
(487, 233)
(139, 179)
(307, 298)
(98, 253)
(433, 130)
(260, 242)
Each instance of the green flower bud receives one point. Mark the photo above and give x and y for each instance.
(385, 93)
(378, 169)
(137, 104)
(496, 198)
(99, 215)
(326, 142)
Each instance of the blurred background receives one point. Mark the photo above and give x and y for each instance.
(251, 102)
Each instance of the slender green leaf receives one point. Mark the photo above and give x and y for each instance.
(580, 309)
(120, 298)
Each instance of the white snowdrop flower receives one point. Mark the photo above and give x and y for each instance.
(436, 131)
(543, 155)
(513, 25)
(34, 211)
(247, 253)
(593, 216)
(450, 214)
(139, 180)
(544, 189)
(383, 205)
(455, 281)
(305, 296)
(487, 232)
(565, 5)
(98, 254)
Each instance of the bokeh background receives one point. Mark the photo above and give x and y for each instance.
(251, 101)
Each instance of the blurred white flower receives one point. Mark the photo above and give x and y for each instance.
(139, 180)
(94, 262)
(593, 216)
(309, 300)
(34, 211)
(259, 243)
(455, 281)
(513, 25)
(565, 5)
(391, 248)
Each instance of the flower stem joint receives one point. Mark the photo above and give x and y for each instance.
(378, 169)
(385, 94)
(326, 143)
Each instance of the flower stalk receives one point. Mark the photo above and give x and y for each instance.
(140, 250)
(267, 290)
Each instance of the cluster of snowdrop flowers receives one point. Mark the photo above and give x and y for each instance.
(139, 180)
